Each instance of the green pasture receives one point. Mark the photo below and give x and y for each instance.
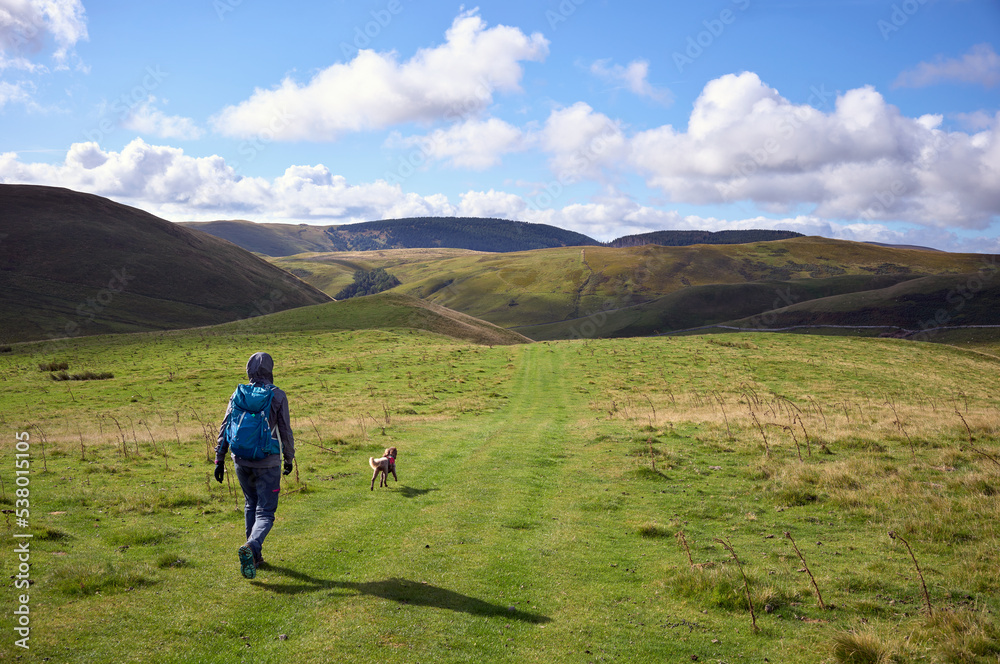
(564, 501)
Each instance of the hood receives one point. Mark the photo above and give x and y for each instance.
(260, 368)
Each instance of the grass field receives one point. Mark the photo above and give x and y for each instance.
(563, 501)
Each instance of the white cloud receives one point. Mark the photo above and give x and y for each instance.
(452, 81)
(860, 159)
(980, 66)
(472, 144)
(633, 77)
(492, 204)
(20, 92)
(582, 142)
(27, 25)
(145, 118)
(976, 120)
(165, 181)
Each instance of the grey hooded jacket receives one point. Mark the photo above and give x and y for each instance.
(260, 370)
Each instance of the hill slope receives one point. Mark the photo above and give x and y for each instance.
(544, 293)
(473, 233)
(687, 238)
(384, 311)
(76, 264)
(916, 304)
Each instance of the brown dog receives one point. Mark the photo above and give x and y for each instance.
(384, 465)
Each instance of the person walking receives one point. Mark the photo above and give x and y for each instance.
(257, 447)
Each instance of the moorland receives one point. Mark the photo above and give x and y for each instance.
(567, 497)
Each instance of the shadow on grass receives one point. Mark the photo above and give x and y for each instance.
(403, 591)
(410, 492)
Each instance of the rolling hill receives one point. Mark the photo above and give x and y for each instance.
(76, 264)
(915, 305)
(384, 311)
(639, 290)
(687, 238)
(474, 233)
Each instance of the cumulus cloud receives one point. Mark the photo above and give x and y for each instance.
(472, 144)
(374, 90)
(493, 204)
(980, 66)
(26, 26)
(582, 142)
(860, 159)
(166, 181)
(147, 119)
(633, 77)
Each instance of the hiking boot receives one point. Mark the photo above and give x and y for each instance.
(259, 562)
(247, 567)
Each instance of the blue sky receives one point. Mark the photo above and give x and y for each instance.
(855, 119)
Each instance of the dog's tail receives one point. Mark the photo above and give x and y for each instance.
(371, 462)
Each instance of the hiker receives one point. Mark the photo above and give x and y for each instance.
(257, 453)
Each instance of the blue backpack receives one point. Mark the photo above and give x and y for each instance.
(247, 430)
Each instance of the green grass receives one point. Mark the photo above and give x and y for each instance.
(528, 524)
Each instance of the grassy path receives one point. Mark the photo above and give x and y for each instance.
(472, 556)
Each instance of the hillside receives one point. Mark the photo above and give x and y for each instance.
(687, 238)
(76, 264)
(384, 311)
(916, 304)
(470, 233)
(267, 239)
(703, 284)
(706, 305)
(474, 233)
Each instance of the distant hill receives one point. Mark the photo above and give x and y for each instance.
(687, 238)
(267, 239)
(76, 264)
(554, 293)
(473, 233)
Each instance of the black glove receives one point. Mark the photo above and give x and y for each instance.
(220, 469)
(288, 468)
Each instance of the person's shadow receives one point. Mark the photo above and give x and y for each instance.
(410, 492)
(403, 591)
